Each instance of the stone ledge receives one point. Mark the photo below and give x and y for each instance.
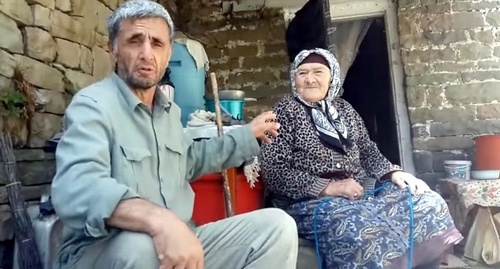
(30, 193)
(35, 167)
(465, 127)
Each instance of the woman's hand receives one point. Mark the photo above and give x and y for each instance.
(403, 180)
(347, 188)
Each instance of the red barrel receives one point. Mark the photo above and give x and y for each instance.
(209, 199)
(487, 152)
(209, 203)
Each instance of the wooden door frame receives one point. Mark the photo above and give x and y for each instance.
(387, 9)
(346, 10)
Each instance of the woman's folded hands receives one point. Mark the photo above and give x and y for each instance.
(347, 188)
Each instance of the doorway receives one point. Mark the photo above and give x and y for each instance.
(368, 88)
(401, 151)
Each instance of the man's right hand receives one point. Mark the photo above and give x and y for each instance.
(264, 124)
(176, 245)
(347, 188)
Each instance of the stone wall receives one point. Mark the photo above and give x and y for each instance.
(450, 49)
(451, 54)
(59, 46)
(246, 49)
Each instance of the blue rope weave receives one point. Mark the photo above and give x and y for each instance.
(367, 193)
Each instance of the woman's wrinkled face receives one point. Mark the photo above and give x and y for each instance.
(312, 81)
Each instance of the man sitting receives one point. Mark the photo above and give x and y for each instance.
(124, 166)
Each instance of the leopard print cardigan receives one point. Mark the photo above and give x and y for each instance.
(297, 166)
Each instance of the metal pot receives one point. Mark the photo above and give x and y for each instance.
(227, 95)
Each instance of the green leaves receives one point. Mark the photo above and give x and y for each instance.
(12, 103)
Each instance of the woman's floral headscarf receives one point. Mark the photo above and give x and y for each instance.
(334, 90)
(329, 125)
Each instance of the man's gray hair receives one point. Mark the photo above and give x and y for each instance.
(137, 9)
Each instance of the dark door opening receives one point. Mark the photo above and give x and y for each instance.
(368, 88)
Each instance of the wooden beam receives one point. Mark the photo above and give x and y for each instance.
(338, 6)
(252, 5)
(349, 10)
(341, 10)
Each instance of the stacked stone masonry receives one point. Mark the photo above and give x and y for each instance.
(247, 50)
(450, 49)
(60, 46)
(451, 55)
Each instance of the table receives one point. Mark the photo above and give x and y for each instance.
(475, 206)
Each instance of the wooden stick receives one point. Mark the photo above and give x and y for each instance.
(218, 119)
(28, 255)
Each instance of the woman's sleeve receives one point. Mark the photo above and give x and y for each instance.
(372, 160)
(278, 171)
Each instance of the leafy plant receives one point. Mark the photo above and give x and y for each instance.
(12, 103)
(17, 107)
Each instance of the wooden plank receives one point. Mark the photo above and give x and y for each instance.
(338, 8)
(475, 239)
(232, 174)
(253, 5)
(491, 246)
(248, 5)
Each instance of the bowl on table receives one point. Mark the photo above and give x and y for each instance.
(227, 95)
(485, 174)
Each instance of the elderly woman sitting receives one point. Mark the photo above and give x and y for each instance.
(315, 170)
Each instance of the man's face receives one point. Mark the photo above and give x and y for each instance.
(142, 52)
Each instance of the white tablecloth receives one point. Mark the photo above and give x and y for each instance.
(207, 131)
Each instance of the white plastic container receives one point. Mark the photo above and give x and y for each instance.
(485, 174)
(207, 131)
(48, 233)
(457, 169)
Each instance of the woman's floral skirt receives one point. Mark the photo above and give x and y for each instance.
(374, 232)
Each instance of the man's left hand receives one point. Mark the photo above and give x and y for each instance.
(407, 180)
(265, 124)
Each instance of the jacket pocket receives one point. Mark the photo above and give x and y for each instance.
(177, 149)
(135, 154)
(135, 161)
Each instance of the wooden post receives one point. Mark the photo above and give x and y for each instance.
(218, 119)
(232, 179)
(327, 20)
